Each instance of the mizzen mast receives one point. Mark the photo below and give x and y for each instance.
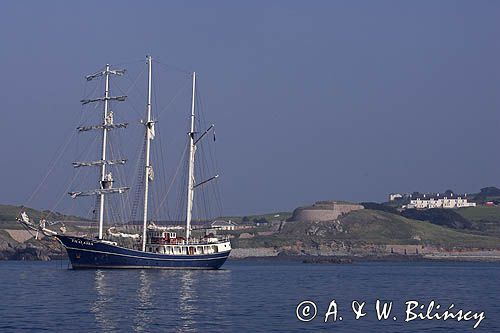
(150, 133)
(106, 178)
(192, 150)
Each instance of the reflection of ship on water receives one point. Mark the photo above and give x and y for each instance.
(187, 302)
(204, 300)
(143, 319)
(147, 300)
(101, 306)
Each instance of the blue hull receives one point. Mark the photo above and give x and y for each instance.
(88, 253)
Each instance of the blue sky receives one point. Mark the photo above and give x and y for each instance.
(313, 100)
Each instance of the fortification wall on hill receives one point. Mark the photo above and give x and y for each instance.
(324, 211)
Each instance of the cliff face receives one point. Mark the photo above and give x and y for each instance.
(324, 211)
(6, 249)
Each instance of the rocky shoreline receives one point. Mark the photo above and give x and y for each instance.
(306, 259)
(47, 249)
(42, 250)
(272, 254)
(30, 252)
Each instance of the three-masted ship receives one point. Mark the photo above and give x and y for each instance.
(156, 246)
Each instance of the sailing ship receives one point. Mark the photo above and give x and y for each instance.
(157, 246)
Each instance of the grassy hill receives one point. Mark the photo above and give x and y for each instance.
(484, 219)
(9, 213)
(481, 213)
(367, 226)
(382, 228)
(277, 216)
(16, 243)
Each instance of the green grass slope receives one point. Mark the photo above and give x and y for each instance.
(277, 216)
(367, 226)
(485, 219)
(385, 228)
(491, 213)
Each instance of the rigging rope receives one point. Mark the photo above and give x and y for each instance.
(171, 183)
(139, 185)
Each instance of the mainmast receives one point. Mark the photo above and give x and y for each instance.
(106, 178)
(148, 168)
(192, 150)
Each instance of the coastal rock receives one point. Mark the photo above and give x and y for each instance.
(30, 253)
(327, 260)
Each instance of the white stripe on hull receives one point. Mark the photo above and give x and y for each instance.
(142, 267)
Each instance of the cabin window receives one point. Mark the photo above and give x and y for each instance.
(215, 249)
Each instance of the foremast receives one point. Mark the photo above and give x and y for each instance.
(103, 149)
(148, 169)
(106, 179)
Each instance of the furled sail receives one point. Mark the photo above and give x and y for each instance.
(98, 191)
(101, 99)
(107, 126)
(112, 232)
(98, 163)
(151, 130)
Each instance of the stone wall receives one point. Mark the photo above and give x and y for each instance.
(253, 252)
(324, 211)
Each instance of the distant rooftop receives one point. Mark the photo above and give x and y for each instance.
(435, 196)
(220, 223)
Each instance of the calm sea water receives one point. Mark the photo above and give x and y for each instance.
(245, 296)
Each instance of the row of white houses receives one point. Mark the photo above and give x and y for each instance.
(450, 200)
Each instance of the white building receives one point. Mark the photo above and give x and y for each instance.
(223, 225)
(395, 196)
(449, 200)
